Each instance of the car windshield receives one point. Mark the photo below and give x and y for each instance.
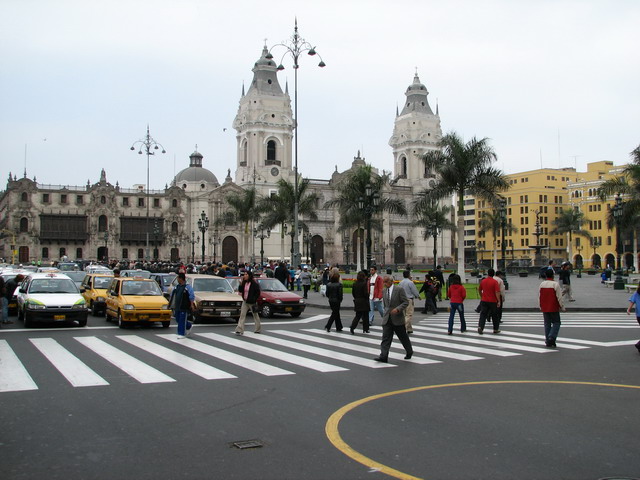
(271, 285)
(76, 276)
(211, 285)
(102, 282)
(141, 288)
(137, 273)
(53, 285)
(167, 279)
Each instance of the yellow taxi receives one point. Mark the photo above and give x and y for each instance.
(132, 300)
(94, 291)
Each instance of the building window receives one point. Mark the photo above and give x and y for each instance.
(24, 225)
(271, 153)
(174, 203)
(125, 253)
(125, 201)
(63, 198)
(141, 202)
(140, 253)
(103, 200)
(174, 227)
(156, 203)
(45, 198)
(78, 252)
(79, 199)
(24, 197)
(102, 223)
(45, 253)
(62, 252)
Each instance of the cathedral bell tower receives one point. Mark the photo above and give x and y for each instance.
(416, 131)
(264, 126)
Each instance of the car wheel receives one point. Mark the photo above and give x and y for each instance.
(166, 324)
(82, 323)
(94, 310)
(266, 310)
(295, 314)
(28, 323)
(121, 322)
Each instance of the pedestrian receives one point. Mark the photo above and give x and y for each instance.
(282, 274)
(4, 302)
(489, 290)
(297, 278)
(360, 292)
(499, 277)
(334, 294)
(250, 291)
(456, 294)
(10, 288)
(635, 300)
(182, 302)
(412, 294)
(395, 303)
(305, 280)
(376, 285)
(430, 293)
(550, 304)
(440, 277)
(564, 279)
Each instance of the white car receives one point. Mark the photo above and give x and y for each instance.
(50, 297)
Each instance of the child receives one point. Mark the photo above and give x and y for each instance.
(635, 300)
(456, 294)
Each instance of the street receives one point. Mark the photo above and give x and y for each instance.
(106, 403)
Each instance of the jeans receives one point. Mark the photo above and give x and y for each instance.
(373, 306)
(459, 307)
(183, 323)
(551, 325)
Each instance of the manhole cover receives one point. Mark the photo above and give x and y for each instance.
(248, 444)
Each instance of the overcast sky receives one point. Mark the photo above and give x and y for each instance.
(551, 83)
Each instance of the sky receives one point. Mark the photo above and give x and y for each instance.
(550, 83)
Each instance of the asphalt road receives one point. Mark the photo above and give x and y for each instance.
(465, 407)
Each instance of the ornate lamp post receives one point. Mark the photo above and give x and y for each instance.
(193, 242)
(369, 204)
(203, 226)
(147, 145)
(618, 284)
(259, 232)
(294, 47)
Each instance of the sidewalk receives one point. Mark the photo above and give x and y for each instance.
(589, 293)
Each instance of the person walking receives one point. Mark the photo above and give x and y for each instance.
(550, 297)
(440, 277)
(499, 277)
(10, 288)
(634, 300)
(456, 294)
(412, 294)
(4, 302)
(282, 274)
(305, 280)
(395, 303)
(430, 292)
(250, 291)
(182, 301)
(376, 284)
(489, 290)
(564, 279)
(334, 294)
(360, 292)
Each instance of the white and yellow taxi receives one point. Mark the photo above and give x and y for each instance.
(50, 297)
(94, 291)
(132, 300)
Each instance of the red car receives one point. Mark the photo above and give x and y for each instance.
(274, 297)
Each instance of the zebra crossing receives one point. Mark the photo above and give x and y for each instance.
(534, 319)
(279, 351)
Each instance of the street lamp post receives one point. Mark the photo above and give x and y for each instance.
(146, 145)
(156, 233)
(203, 226)
(294, 47)
(618, 284)
(369, 204)
(193, 242)
(259, 232)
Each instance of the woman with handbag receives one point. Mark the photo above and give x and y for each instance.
(360, 291)
(250, 291)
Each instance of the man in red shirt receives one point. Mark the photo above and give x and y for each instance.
(550, 304)
(489, 290)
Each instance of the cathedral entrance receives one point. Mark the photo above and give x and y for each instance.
(103, 254)
(399, 257)
(317, 249)
(229, 250)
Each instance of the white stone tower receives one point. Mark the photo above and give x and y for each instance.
(416, 130)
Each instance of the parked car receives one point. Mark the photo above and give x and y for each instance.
(77, 276)
(275, 298)
(50, 297)
(215, 298)
(163, 279)
(133, 300)
(94, 290)
(136, 273)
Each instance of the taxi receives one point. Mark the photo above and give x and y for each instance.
(215, 298)
(94, 291)
(50, 297)
(132, 300)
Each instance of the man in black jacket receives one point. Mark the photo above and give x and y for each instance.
(250, 291)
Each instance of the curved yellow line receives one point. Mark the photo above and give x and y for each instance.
(331, 427)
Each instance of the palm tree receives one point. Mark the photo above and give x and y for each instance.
(351, 189)
(570, 222)
(243, 206)
(433, 218)
(463, 168)
(278, 209)
(492, 221)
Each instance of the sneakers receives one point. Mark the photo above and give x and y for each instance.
(189, 331)
(181, 337)
(496, 331)
(238, 333)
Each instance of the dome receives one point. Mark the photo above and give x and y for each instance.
(195, 172)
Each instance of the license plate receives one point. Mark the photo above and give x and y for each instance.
(59, 317)
(225, 314)
(288, 309)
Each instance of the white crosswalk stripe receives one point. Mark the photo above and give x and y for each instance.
(264, 354)
(534, 319)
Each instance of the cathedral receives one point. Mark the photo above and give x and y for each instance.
(190, 221)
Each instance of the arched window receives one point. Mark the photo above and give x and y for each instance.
(174, 203)
(102, 223)
(174, 227)
(125, 253)
(45, 253)
(140, 253)
(271, 152)
(103, 199)
(24, 196)
(403, 167)
(24, 225)
(245, 154)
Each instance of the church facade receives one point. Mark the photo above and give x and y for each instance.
(105, 221)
